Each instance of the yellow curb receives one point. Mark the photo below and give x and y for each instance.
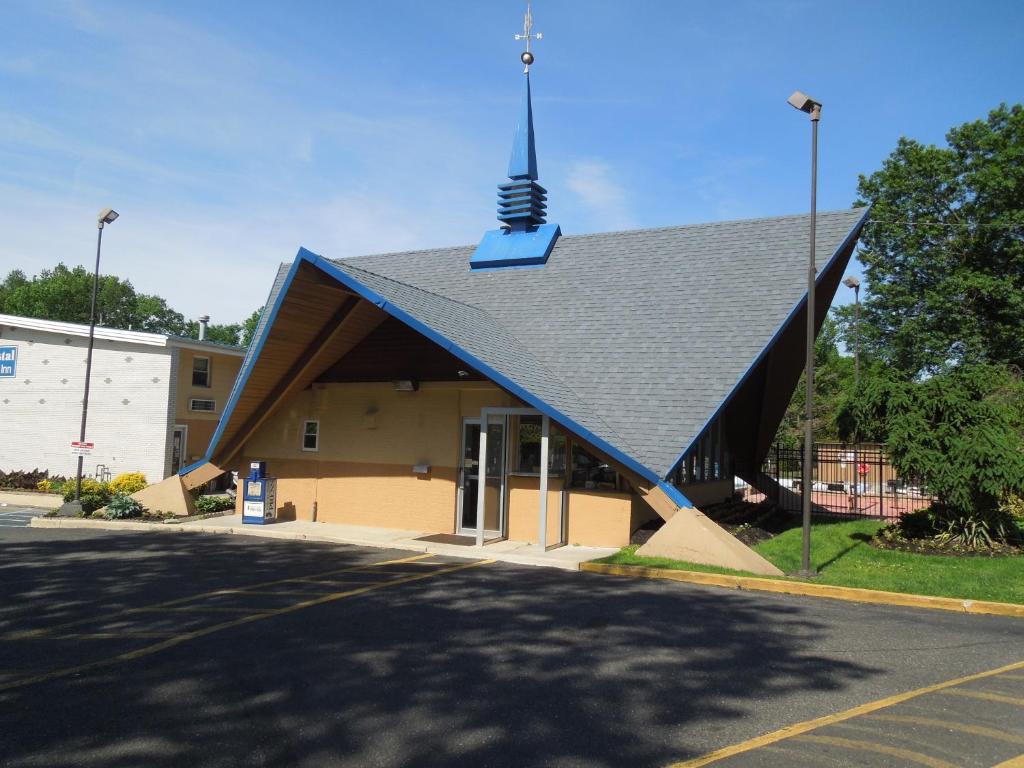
(807, 589)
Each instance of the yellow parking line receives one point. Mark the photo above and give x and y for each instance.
(986, 696)
(204, 631)
(974, 730)
(204, 609)
(1013, 762)
(810, 725)
(103, 636)
(25, 634)
(329, 582)
(881, 749)
(266, 593)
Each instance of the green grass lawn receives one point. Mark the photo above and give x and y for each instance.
(842, 555)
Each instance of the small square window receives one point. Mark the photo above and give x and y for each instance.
(200, 371)
(198, 404)
(311, 436)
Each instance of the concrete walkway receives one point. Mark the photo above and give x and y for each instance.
(30, 499)
(518, 552)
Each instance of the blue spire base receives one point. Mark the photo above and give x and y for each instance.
(503, 248)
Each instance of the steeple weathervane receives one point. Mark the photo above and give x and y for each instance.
(527, 56)
(525, 238)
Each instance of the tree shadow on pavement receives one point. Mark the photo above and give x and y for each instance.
(494, 665)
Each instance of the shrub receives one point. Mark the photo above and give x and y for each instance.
(979, 530)
(22, 479)
(122, 507)
(91, 501)
(958, 432)
(1013, 505)
(98, 493)
(209, 504)
(128, 483)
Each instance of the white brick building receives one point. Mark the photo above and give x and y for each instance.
(148, 393)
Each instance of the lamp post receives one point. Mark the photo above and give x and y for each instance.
(853, 282)
(805, 103)
(106, 216)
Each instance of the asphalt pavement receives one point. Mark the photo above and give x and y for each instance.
(18, 517)
(193, 650)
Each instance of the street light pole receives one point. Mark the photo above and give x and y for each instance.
(806, 104)
(106, 216)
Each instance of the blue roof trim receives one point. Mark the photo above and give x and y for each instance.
(675, 494)
(192, 467)
(257, 347)
(848, 241)
(499, 378)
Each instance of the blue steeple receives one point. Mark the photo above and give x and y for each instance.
(523, 162)
(524, 239)
(522, 202)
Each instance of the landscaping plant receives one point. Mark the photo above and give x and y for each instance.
(960, 434)
(122, 507)
(210, 504)
(20, 480)
(128, 483)
(94, 493)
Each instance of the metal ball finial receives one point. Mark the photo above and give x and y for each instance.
(527, 58)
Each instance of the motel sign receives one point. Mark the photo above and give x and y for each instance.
(8, 362)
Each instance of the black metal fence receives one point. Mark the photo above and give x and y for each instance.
(854, 480)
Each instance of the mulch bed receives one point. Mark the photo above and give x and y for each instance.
(933, 547)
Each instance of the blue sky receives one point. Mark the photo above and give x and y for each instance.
(228, 134)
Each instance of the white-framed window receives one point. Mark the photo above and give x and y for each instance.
(200, 404)
(311, 435)
(200, 371)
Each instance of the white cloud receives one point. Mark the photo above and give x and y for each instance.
(601, 196)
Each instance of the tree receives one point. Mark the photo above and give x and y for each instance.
(833, 376)
(960, 433)
(222, 334)
(249, 327)
(66, 294)
(944, 249)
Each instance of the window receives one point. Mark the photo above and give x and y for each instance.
(710, 459)
(198, 404)
(311, 435)
(527, 450)
(200, 371)
(590, 472)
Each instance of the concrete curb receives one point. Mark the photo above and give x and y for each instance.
(806, 589)
(269, 533)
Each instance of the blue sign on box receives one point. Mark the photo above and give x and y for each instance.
(8, 362)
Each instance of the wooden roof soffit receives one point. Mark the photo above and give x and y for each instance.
(349, 325)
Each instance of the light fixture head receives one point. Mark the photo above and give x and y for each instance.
(106, 216)
(803, 102)
(405, 385)
(852, 282)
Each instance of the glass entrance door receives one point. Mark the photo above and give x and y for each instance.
(494, 478)
(178, 448)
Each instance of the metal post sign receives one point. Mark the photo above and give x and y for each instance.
(8, 362)
(81, 448)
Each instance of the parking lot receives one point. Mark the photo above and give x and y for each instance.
(17, 517)
(185, 649)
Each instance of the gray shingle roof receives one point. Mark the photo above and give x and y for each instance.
(638, 336)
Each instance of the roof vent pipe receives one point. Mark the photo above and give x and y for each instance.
(203, 320)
